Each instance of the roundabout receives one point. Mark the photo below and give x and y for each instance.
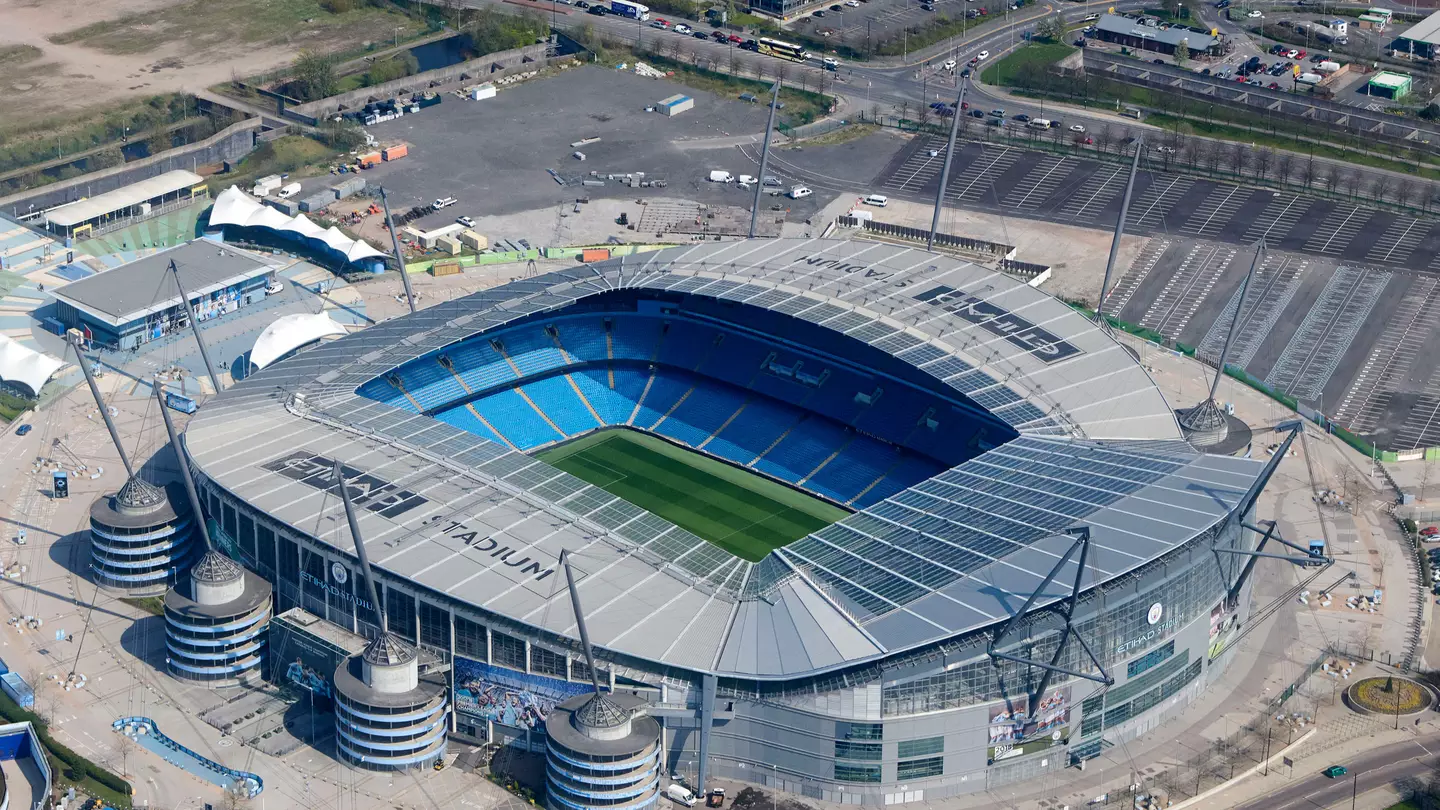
(1389, 694)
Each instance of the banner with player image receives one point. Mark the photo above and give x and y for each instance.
(1016, 730)
(1223, 624)
(508, 697)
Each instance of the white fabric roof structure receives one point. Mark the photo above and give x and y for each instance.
(235, 207)
(25, 366)
(290, 332)
(72, 214)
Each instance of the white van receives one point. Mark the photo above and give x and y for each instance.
(680, 795)
(721, 177)
(796, 192)
(1039, 123)
(877, 200)
(288, 190)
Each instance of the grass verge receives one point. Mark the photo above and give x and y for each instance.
(1036, 55)
(744, 513)
(154, 605)
(68, 767)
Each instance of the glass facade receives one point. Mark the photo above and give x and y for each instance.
(847, 772)
(507, 651)
(920, 768)
(845, 749)
(920, 748)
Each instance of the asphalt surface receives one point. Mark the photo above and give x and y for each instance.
(1373, 769)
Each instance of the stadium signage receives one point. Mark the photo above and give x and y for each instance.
(1043, 344)
(367, 491)
(473, 539)
(334, 590)
(848, 267)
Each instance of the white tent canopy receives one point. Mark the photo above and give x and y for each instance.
(235, 207)
(290, 332)
(24, 366)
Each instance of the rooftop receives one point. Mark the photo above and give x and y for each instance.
(1393, 80)
(145, 286)
(1120, 24)
(1098, 446)
(73, 214)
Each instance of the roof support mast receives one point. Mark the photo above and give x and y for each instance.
(1119, 234)
(195, 327)
(360, 550)
(400, 254)
(75, 340)
(764, 157)
(580, 620)
(1205, 423)
(185, 475)
(945, 167)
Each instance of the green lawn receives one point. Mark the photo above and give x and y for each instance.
(1036, 53)
(740, 511)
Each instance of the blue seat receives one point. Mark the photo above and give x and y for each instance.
(583, 338)
(613, 406)
(861, 462)
(557, 400)
(635, 338)
(462, 418)
(663, 394)
(808, 444)
(702, 413)
(513, 416)
(532, 351)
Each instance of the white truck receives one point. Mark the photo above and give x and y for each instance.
(288, 190)
(1309, 78)
(265, 185)
(796, 192)
(721, 177)
(1327, 67)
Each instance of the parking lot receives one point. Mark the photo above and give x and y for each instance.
(493, 155)
(871, 22)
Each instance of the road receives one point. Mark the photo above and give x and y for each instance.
(1374, 769)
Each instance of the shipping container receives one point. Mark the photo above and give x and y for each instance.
(265, 185)
(287, 207)
(429, 100)
(317, 202)
(368, 159)
(18, 690)
(349, 188)
(594, 255)
(395, 152)
(445, 269)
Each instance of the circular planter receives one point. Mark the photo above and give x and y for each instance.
(1389, 695)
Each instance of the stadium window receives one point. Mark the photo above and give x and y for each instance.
(400, 613)
(470, 639)
(580, 671)
(289, 579)
(214, 506)
(434, 626)
(844, 749)
(919, 748)
(247, 535)
(312, 595)
(229, 521)
(920, 768)
(508, 651)
(265, 550)
(856, 773)
(860, 731)
(545, 662)
(1150, 659)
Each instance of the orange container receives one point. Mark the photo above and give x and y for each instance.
(594, 255)
(369, 160)
(395, 152)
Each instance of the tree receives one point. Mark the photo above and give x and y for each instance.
(315, 72)
(1051, 28)
(1182, 52)
(1263, 156)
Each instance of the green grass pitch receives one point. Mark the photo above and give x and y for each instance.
(743, 512)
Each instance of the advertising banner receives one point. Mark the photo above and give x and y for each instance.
(507, 697)
(1223, 624)
(1015, 730)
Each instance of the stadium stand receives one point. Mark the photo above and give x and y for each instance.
(849, 434)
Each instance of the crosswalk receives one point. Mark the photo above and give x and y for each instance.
(1335, 233)
(1095, 194)
(1188, 286)
(1215, 211)
(1400, 240)
(1039, 184)
(1407, 328)
(1149, 209)
(1327, 331)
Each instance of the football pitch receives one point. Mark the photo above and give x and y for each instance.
(743, 512)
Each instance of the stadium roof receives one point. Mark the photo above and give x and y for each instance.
(68, 216)
(132, 291)
(483, 524)
(1130, 26)
(287, 333)
(235, 207)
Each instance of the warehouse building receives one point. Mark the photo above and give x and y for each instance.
(125, 206)
(1149, 34)
(138, 302)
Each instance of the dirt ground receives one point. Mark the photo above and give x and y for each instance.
(98, 71)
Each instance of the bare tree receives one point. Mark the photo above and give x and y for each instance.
(1380, 183)
(1308, 172)
(236, 797)
(1239, 157)
(1351, 180)
(1263, 157)
(1104, 137)
(1332, 179)
(1405, 192)
(1285, 167)
(123, 749)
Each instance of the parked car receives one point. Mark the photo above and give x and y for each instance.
(661, 24)
(598, 11)
(23, 429)
(977, 113)
(700, 35)
(466, 221)
(1430, 531)
(1076, 128)
(1022, 118)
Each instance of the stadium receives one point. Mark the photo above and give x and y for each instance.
(861, 522)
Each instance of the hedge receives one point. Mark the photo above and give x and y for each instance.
(76, 767)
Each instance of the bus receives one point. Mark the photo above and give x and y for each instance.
(784, 50)
(634, 11)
